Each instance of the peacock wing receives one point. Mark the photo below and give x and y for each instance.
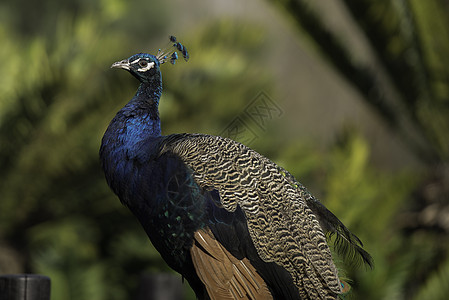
(282, 227)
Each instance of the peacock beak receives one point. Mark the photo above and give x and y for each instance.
(123, 64)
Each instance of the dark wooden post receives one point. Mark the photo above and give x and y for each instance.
(161, 286)
(24, 287)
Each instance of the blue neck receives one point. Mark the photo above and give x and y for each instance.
(141, 113)
(134, 125)
(130, 135)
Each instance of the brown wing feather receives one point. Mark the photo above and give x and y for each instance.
(225, 276)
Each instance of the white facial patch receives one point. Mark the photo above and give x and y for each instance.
(134, 61)
(147, 67)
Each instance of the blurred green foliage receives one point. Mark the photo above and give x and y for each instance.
(59, 218)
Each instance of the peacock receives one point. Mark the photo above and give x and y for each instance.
(233, 223)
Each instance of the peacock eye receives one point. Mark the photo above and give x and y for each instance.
(143, 63)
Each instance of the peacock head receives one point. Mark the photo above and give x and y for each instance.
(145, 67)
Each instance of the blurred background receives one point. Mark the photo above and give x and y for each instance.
(354, 96)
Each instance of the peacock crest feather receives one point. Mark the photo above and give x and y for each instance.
(170, 52)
